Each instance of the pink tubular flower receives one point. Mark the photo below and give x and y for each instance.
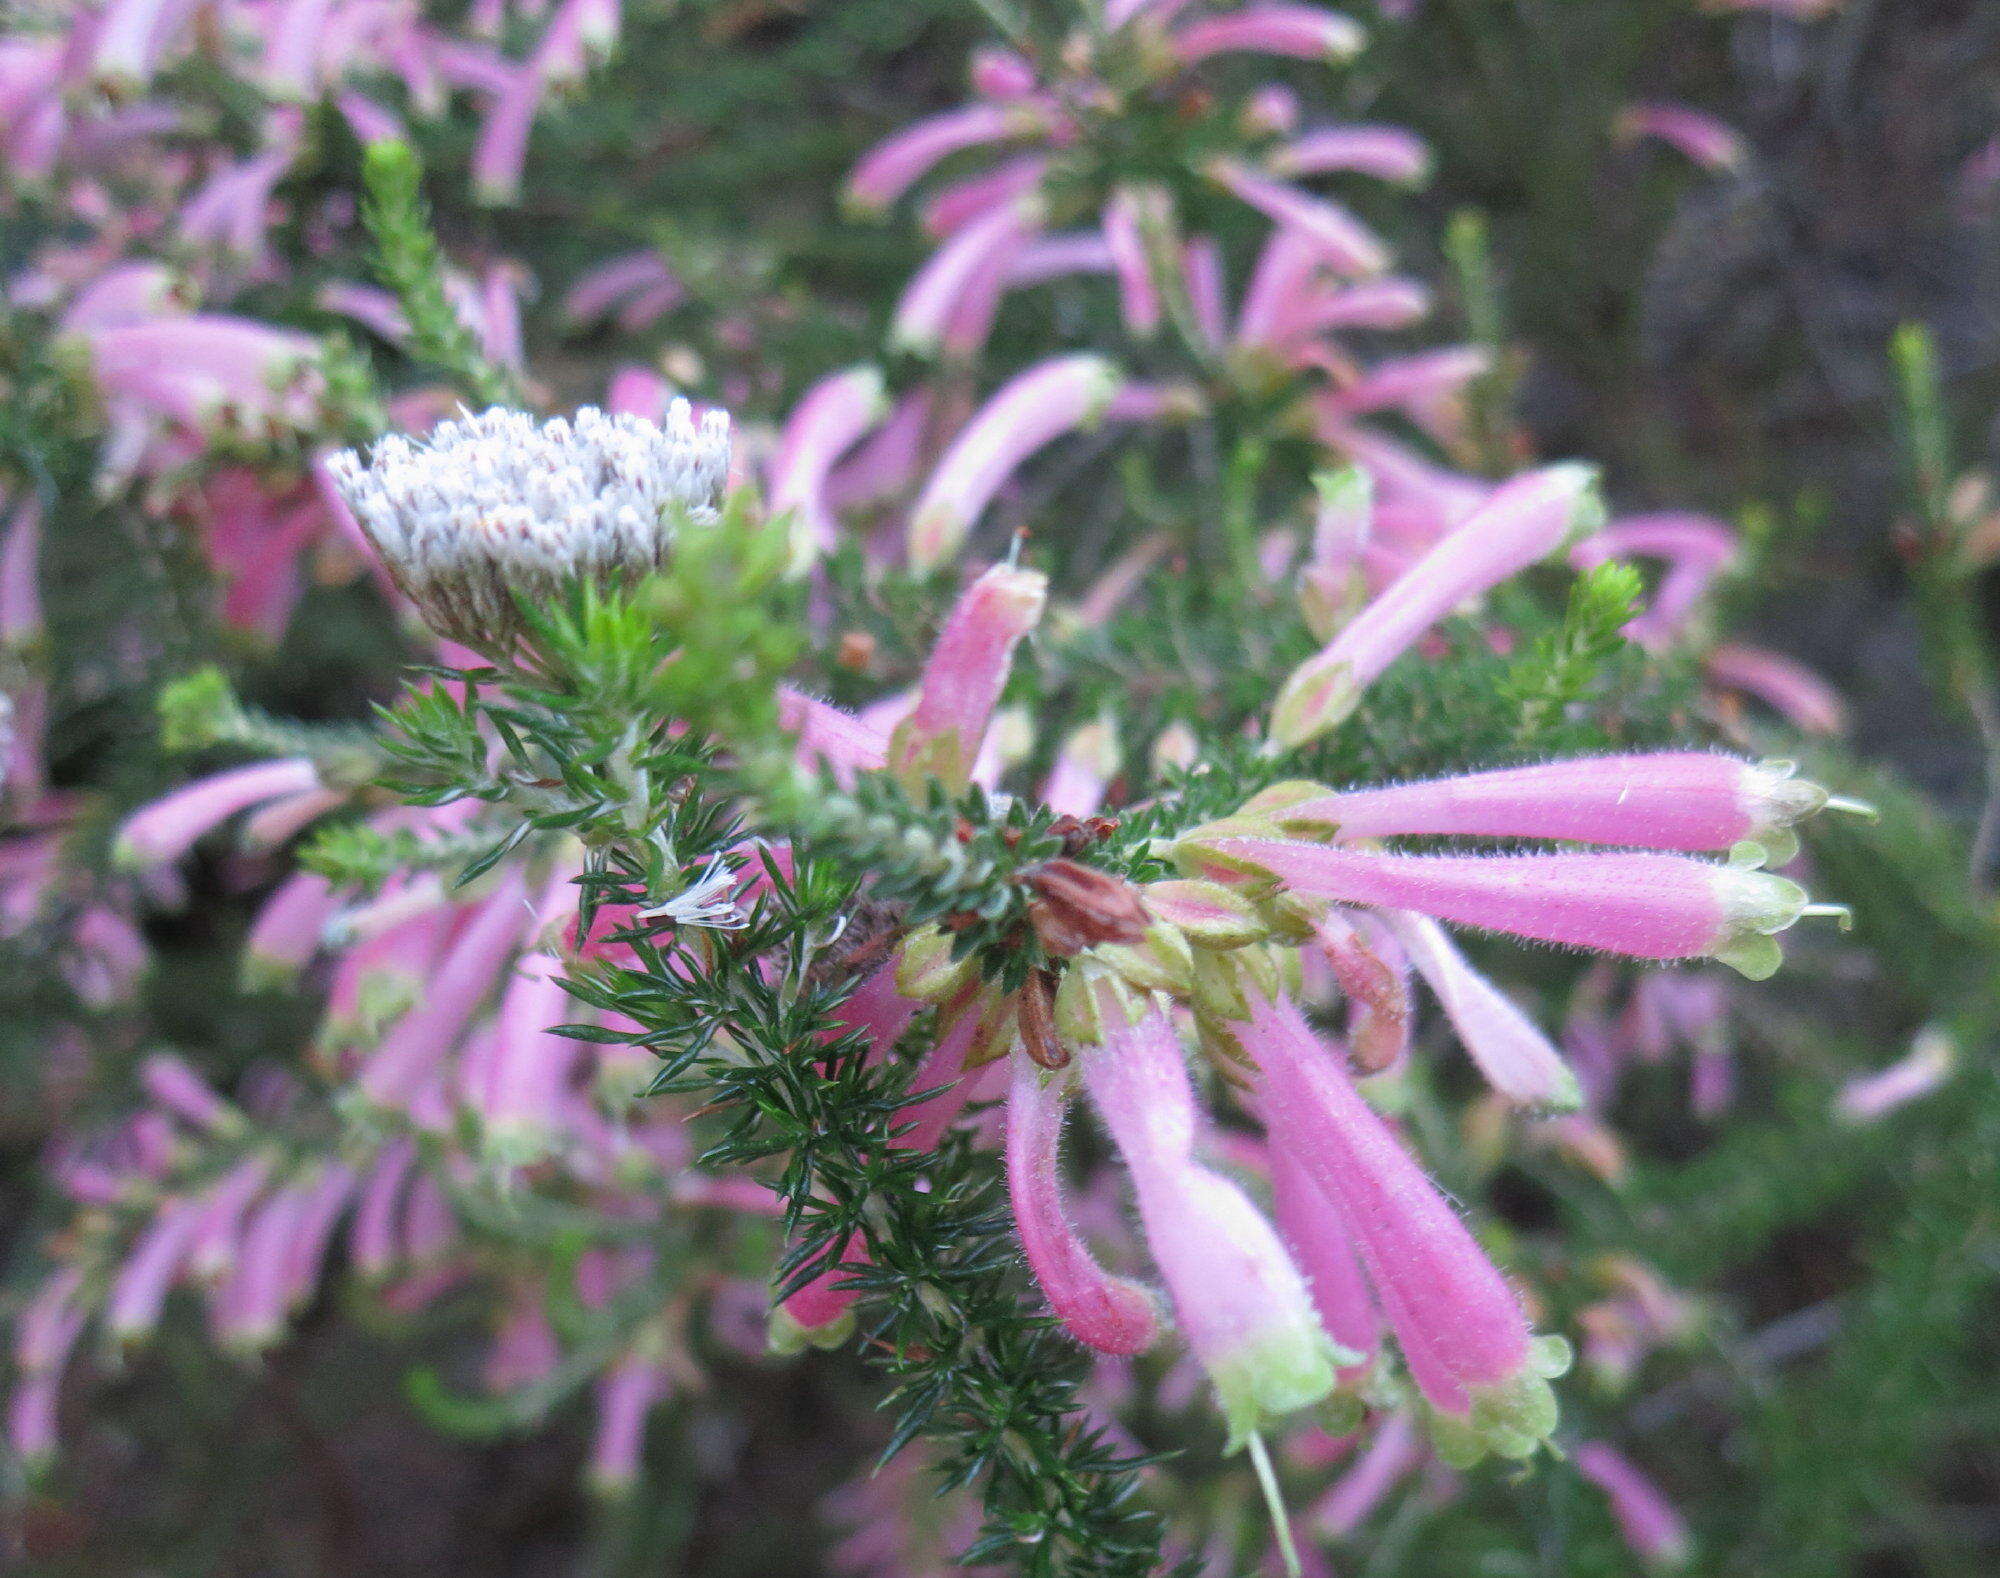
(1124, 217)
(1702, 138)
(897, 163)
(1392, 1452)
(1386, 152)
(1524, 520)
(1680, 800)
(625, 1397)
(1460, 1326)
(637, 286)
(1374, 976)
(965, 674)
(416, 1044)
(1339, 238)
(1323, 1249)
(1695, 549)
(969, 267)
(184, 1093)
(1789, 689)
(197, 369)
(1656, 1533)
(963, 201)
(294, 39)
(529, 1068)
(1049, 399)
(1001, 74)
(139, 1291)
(1929, 1063)
(1647, 906)
(132, 37)
(1511, 1051)
(844, 743)
(829, 420)
(288, 929)
(161, 833)
(1302, 32)
(1108, 1313)
(1241, 1303)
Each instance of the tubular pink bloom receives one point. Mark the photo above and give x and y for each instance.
(1423, 384)
(1517, 1059)
(1392, 1452)
(132, 36)
(524, 1349)
(843, 742)
(1054, 256)
(1440, 499)
(1283, 279)
(417, 1043)
(1789, 689)
(1341, 240)
(898, 162)
(1695, 548)
(139, 1291)
(124, 294)
(1524, 520)
(48, 1324)
(277, 822)
(1460, 1326)
(1271, 111)
(613, 286)
(184, 1093)
(501, 151)
(1001, 74)
(1373, 304)
(1083, 770)
(372, 1240)
(1241, 1303)
(249, 1307)
(375, 310)
(1386, 152)
(968, 267)
(293, 42)
(625, 1397)
(829, 420)
(1703, 139)
(1201, 266)
(1323, 1249)
(965, 673)
(1930, 1062)
(1123, 220)
(1680, 800)
(163, 832)
(965, 200)
(1646, 906)
(213, 1249)
(1118, 12)
(530, 1068)
(319, 1215)
(369, 121)
(1049, 399)
(1302, 32)
(1111, 1314)
(193, 369)
(1374, 975)
(1656, 1533)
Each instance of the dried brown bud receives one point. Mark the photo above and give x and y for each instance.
(1075, 907)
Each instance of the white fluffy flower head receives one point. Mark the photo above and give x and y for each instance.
(501, 505)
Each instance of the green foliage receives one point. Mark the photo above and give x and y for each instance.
(411, 264)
